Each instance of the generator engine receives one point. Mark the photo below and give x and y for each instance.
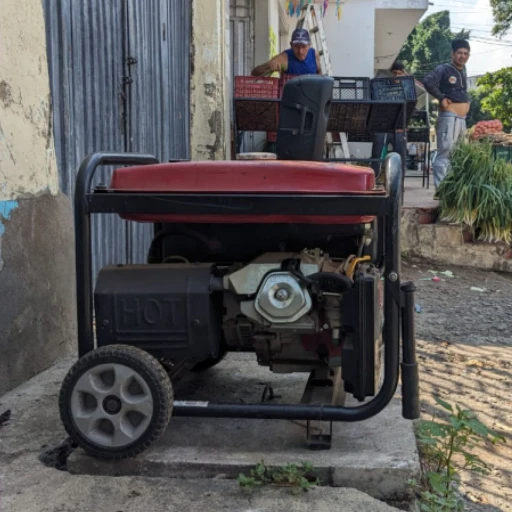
(298, 312)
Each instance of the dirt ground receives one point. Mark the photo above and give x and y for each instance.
(465, 355)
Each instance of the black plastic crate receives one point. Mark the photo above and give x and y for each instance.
(257, 116)
(418, 127)
(387, 117)
(418, 135)
(504, 152)
(419, 119)
(400, 88)
(362, 137)
(351, 88)
(348, 117)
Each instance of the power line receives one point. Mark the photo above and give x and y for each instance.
(393, 55)
(503, 44)
(428, 67)
(474, 29)
(457, 3)
(455, 11)
(470, 25)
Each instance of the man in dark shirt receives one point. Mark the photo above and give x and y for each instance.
(448, 84)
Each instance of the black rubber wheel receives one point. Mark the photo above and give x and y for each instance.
(116, 401)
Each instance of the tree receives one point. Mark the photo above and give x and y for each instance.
(477, 111)
(502, 14)
(497, 95)
(429, 44)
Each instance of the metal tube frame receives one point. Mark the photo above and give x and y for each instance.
(385, 205)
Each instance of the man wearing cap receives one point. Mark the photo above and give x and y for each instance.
(300, 59)
(448, 83)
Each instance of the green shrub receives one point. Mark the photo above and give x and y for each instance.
(478, 192)
(446, 448)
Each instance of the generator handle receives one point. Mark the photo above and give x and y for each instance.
(83, 253)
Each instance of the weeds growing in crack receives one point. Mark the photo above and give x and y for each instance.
(298, 478)
(446, 449)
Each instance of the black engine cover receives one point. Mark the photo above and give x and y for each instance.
(167, 310)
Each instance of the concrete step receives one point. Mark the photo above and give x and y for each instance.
(26, 488)
(377, 456)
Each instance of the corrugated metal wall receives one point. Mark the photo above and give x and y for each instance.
(85, 54)
(158, 112)
(89, 44)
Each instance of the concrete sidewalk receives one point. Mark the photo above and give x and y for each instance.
(417, 196)
(377, 456)
(28, 488)
(198, 456)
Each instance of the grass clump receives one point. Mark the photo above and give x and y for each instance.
(298, 478)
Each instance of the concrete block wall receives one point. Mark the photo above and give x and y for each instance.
(37, 315)
(444, 244)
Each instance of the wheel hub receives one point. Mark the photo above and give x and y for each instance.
(112, 404)
(115, 401)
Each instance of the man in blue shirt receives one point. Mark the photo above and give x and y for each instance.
(300, 59)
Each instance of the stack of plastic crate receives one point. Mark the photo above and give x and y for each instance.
(348, 112)
(256, 103)
(400, 89)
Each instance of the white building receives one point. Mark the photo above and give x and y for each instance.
(472, 81)
(365, 39)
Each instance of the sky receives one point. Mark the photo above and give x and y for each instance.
(476, 15)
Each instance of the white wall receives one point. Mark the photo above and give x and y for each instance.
(266, 30)
(228, 80)
(27, 157)
(273, 27)
(367, 29)
(392, 28)
(266, 46)
(351, 39)
(402, 4)
(285, 30)
(261, 22)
